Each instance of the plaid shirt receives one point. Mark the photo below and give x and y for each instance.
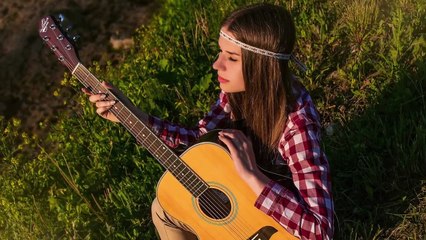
(307, 213)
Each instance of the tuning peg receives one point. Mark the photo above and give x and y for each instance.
(68, 29)
(60, 17)
(76, 38)
(76, 41)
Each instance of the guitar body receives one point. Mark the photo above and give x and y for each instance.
(243, 220)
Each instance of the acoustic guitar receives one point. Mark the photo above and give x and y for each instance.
(200, 187)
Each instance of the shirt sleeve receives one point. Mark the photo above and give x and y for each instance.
(174, 134)
(308, 213)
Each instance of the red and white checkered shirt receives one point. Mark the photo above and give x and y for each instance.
(307, 213)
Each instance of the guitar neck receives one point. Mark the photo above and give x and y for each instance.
(143, 134)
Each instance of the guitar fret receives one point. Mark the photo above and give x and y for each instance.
(85, 77)
(156, 152)
(166, 158)
(174, 168)
(169, 158)
(194, 185)
(133, 125)
(133, 122)
(116, 109)
(173, 164)
(96, 86)
(190, 177)
(184, 180)
(152, 143)
(183, 168)
(143, 134)
(125, 120)
(88, 76)
(164, 150)
(198, 191)
(123, 113)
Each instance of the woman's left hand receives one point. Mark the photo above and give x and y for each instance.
(241, 150)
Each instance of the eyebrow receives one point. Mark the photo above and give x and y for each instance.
(232, 53)
(229, 52)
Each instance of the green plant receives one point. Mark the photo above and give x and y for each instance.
(88, 179)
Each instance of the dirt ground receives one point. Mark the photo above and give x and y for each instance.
(29, 71)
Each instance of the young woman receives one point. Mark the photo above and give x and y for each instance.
(270, 126)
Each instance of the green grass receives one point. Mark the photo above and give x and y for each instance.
(366, 71)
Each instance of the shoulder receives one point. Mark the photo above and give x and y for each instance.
(303, 113)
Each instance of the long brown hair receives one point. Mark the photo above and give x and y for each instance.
(268, 81)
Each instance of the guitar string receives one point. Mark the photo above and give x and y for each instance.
(155, 153)
(213, 198)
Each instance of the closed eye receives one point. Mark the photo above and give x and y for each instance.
(228, 53)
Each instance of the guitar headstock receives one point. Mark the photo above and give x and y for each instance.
(60, 43)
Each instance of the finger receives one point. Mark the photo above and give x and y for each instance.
(233, 132)
(230, 130)
(103, 111)
(228, 142)
(249, 143)
(107, 85)
(239, 134)
(86, 91)
(228, 133)
(105, 104)
(97, 97)
(113, 90)
(237, 137)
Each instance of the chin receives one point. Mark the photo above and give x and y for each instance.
(231, 91)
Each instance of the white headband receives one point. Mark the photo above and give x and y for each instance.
(281, 56)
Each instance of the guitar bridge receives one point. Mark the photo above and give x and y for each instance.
(264, 233)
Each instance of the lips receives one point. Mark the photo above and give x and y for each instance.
(222, 80)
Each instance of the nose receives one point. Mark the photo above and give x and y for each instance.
(218, 64)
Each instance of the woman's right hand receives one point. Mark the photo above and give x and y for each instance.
(102, 105)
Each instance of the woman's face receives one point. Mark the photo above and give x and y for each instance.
(229, 66)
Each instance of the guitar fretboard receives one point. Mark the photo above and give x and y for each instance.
(144, 135)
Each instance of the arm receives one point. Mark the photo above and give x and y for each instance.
(309, 214)
(174, 135)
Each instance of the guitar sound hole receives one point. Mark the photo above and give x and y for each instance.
(215, 204)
